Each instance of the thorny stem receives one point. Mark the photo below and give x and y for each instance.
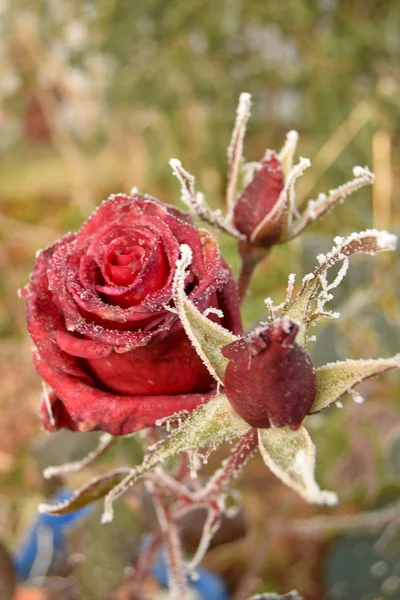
(222, 479)
(176, 566)
(163, 486)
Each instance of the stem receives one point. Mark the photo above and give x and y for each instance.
(245, 276)
(176, 566)
(162, 486)
(251, 256)
(230, 470)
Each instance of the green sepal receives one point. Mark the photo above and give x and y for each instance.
(290, 455)
(207, 337)
(335, 379)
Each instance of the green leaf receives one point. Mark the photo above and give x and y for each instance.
(299, 310)
(211, 424)
(291, 457)
(208, 338)
(335, 379)
(315, 285)
(94, 490)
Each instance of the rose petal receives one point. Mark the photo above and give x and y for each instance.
(81, 407)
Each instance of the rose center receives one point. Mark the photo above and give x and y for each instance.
(124, 263)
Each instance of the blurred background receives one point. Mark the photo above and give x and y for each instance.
(95, 98)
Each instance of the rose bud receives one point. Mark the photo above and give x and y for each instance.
(270, 380)
(98, 303)
(256, 213)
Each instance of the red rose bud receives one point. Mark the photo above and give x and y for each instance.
(115, 357)
(255, 212)
(270, 380)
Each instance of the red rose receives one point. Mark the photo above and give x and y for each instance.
(270, 380)
(97, 301)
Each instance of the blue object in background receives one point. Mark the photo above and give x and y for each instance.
(45, 543)
(208, 585)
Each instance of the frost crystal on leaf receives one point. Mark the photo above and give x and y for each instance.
(325, 202)
(235, 149)
(315, 286)
(207, 427)
(335, 379)
(206, 336)
(288, 151)
(291, 457)
(195, 201)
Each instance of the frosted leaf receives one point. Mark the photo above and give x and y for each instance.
(287, 153)
(339, 277)
(209, 425)
(280, 308)
(291, 457)
(235, 149)
(93, 490)
(210, 528)
(325, 202)
(170, 419)
(208, 338)
(104, 443)
(370, 241)
(213, 311)
(356, 396)
(286, 198)
(195, 201)
(335, 379)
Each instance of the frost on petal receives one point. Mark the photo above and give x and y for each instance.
(316, 286)
(335, 379)
(206, 336)
(291, 457)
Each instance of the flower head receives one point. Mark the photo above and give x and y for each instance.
(108, 341)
